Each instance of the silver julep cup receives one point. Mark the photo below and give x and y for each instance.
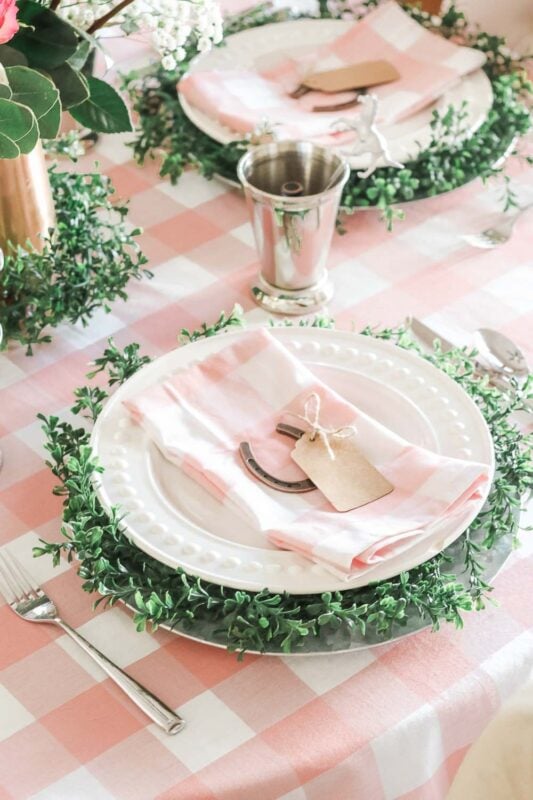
(293, 190)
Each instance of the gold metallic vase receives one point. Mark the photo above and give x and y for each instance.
(26, 204)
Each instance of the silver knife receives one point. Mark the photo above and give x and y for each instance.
(428, 336)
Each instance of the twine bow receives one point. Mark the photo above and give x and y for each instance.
(311, 416)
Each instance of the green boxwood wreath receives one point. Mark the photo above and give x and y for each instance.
(429, 594)
(86, 262)
(448, 162)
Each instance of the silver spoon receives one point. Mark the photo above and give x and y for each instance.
(503, 358)
(506, 352)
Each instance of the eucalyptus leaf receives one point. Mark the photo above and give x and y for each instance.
(16, 121)
(104, 111)
(50, 122)
(8, 148)
(46, 40)
(31, 88)
(29, 141)
(37, 92)
(72, 85)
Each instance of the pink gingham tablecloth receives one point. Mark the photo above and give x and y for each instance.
(391, 723)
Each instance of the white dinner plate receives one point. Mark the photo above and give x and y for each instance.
(259, 48)
(180, 524)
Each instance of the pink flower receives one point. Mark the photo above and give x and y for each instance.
(8, 20)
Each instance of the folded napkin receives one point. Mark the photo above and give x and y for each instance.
(428, 65)
(199, 416)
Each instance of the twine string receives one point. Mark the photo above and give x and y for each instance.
(311, 416)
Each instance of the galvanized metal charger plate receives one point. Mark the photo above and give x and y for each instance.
(345, 640)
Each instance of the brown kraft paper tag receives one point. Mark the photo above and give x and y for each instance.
(355, 76)
(349, 480)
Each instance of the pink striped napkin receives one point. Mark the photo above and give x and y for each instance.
(428, 65)
(198, 418)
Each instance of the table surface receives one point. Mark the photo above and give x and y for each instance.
(392, 722)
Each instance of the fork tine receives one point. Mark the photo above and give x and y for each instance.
(25, 580)
(6, 583)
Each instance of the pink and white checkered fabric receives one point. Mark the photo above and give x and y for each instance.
(198, 417)
(388, 723)
(427, 63)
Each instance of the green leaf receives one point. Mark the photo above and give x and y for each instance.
(16, 121)
(48, 40)
(77, 60)
(37, 92)
(28, 142)
(8, 148)
(72, 85)
(10, 57)
(50, 122)
(104, 111)
(5, 92)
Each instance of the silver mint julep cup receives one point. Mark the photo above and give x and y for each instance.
(292, 190)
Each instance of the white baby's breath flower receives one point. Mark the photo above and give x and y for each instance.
(168, 62)
(183, 33)
(172, 23)
(183, 12)
(204, 44)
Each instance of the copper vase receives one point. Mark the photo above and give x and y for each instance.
(26, 204)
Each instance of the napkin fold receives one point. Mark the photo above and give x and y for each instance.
(428, 65)
(198, 417)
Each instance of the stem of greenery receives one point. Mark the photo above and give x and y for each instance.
(72, 277)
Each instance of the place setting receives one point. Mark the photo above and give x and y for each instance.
(410, 114)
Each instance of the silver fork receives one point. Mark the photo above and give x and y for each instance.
(499, 234)
(30, 602)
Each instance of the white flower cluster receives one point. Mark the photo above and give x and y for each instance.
(82, 15)
(171, 22)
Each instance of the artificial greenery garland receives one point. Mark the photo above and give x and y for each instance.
(241, 620)
(450, 160)
(85, 263)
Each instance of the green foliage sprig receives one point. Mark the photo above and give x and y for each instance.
(234, 320)
(451, 159)
(429, 594)
(85, 263)
(42, 73)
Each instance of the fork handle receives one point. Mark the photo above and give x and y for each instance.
(154, 708)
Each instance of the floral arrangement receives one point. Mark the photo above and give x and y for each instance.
(172, 23)
(42, 59)
(439, 590)
(45, 57)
